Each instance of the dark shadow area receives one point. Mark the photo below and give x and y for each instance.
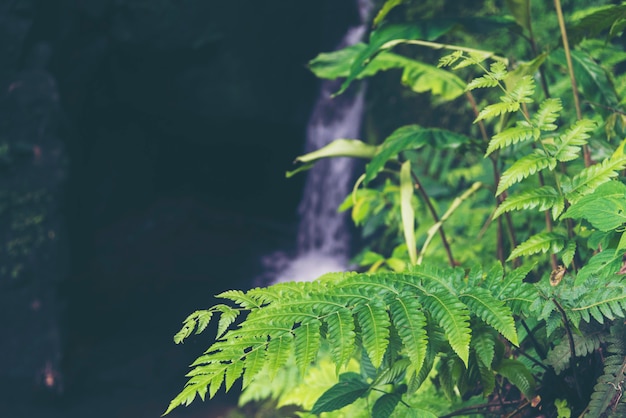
(143, 146)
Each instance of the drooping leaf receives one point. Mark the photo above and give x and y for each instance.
(340, 148)
(497, 109)
(388, 36)
(410, 323)
(341, 336)
(406, 209)
(411, 137)
(539, 243)
(520, 9)
(595, 20)
(493, 311)
(387, 7)
(375, 323)
(453, 316)
(483, 343)
(519, 375)
(591, 78)
(307, 344)
(278, 351)
(384, 406)
(348, 390)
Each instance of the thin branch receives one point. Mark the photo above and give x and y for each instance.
(433, 213)
(570, 68)
(572, 347)
(486, 406)
(538, 348)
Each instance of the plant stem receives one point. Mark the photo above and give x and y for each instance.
(533, 340)
(433, 213)
(570, 68)
(572, 347)
(464, 411)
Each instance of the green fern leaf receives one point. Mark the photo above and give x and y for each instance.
(277, 353)
(568, 146)
(539, 243)
(240, 298)
(216, 383)
(559, 357)
(492, 311)
(590, 178)
(375, 323)
(523, 91)
(453, 316)
(233, 372)
(410, 321)
(520, 132)
(568, 253)
(543, 198)
(518, 375)
(485, 81)
(512, 289)
(524, 167)
(547, 114)
(497, 109)
(189, 393)
(254, 362)
(228, 317)
(307, 344)
(340, 334)
(484, 344)
(608, 389)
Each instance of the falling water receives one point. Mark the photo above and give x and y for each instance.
(323, 235)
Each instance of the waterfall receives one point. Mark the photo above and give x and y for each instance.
(323, 236)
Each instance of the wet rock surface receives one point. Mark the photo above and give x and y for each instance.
(143, 146)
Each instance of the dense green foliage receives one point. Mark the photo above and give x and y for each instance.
(527, 207)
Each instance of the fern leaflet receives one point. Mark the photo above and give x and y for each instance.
(522, 132)
(590, 178)
(547, 114)
(375, 323)
(524, 167)
(410, 321)
(543, 198)
(539, 243)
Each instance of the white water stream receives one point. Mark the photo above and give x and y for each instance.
(323, 235)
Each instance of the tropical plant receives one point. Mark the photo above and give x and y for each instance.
(527, 208)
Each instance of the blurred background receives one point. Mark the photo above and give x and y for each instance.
(143, 146)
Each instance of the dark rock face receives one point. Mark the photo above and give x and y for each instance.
(143, 145)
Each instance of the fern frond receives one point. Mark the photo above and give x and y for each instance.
(608, 389)
(547, 114)
(559, 357)
(410, 323)
(497, 109)
(591, 177)
(523, 91)
(519, 375)
(525, 167)
(340, 334)
(568, 146)
(539, 243)
(484, 344)
(543, 198)
(227, 317)
(453, 316)
(520, 132)
(493, 311)
(485, 81)
(608, 301)
(307, 344)
(254, 362)
(197, 320)
(374, 322)
(512, 289)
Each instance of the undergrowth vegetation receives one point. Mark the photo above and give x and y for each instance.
(491, 274)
